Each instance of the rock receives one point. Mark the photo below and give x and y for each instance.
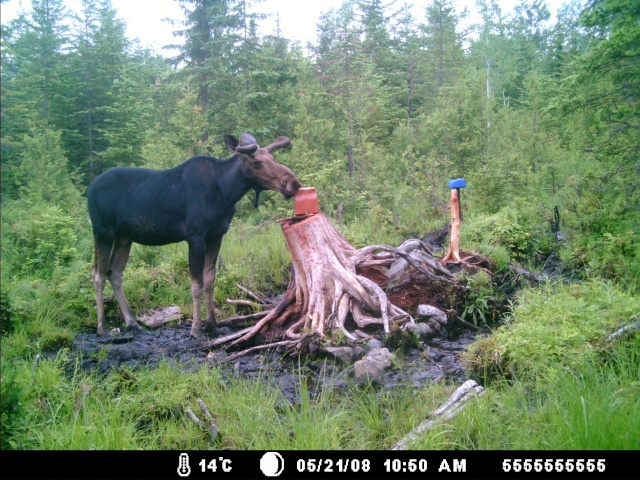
(222, 331)
(422, 330)
(373, 344)
(434, 324)
(428, 311)
(433, 353)
(345, 354)
(373, 365)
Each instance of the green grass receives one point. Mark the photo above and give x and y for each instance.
(565, 388)
(54, 408)
(553, 327)
(596, 407)
(255, 256)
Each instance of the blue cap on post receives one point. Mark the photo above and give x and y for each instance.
(457, 183)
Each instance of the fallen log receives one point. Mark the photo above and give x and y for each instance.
(448, 410)
(527, 274)
(635, 325)
(158, 317)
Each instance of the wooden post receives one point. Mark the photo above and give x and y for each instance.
(453, 255)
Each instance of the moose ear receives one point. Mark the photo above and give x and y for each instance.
(231, 142)
(248, 139)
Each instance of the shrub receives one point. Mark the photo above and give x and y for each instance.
(610, 256)
(10, 406)
(508, 229)
(479, 306)
(39, 241)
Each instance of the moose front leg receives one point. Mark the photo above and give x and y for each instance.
(210, 259)
(196, 268)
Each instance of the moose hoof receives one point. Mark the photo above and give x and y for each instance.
(197, 333)
(135, 329)
(210, 329)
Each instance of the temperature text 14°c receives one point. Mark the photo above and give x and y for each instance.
(219, 464)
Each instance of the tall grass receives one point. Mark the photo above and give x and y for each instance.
(50, 404)
(256, 256)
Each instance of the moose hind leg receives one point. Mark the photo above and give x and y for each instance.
(209, 276)
(119, 259)
(102, 252)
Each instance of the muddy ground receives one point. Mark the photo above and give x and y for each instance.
(431, 360)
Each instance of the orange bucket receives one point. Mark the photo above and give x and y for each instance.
(306, 201)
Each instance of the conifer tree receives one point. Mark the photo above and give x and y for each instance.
(33, 76)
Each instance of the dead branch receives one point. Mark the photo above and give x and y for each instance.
(224, 339)
(245, 303)
(251, 294)
(528, 274)
(411, 260)
(239, 318)
(635, 325)
(289, 343)
(212, 429)
(464, 323)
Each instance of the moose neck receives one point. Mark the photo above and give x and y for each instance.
(234, 185)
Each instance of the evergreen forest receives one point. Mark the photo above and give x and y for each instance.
(540, 115)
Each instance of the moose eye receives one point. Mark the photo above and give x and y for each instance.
(257, 164)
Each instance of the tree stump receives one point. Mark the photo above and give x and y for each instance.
(328, 296)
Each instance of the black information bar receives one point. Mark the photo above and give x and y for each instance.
(297, 464)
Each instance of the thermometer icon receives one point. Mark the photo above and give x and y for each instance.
(184, 470)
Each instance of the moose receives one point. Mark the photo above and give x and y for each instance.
(193, 202)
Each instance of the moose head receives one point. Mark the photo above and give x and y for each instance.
(259, 166)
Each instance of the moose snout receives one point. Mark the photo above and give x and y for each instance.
(291, 187)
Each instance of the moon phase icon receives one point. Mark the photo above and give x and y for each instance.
(272, 464)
